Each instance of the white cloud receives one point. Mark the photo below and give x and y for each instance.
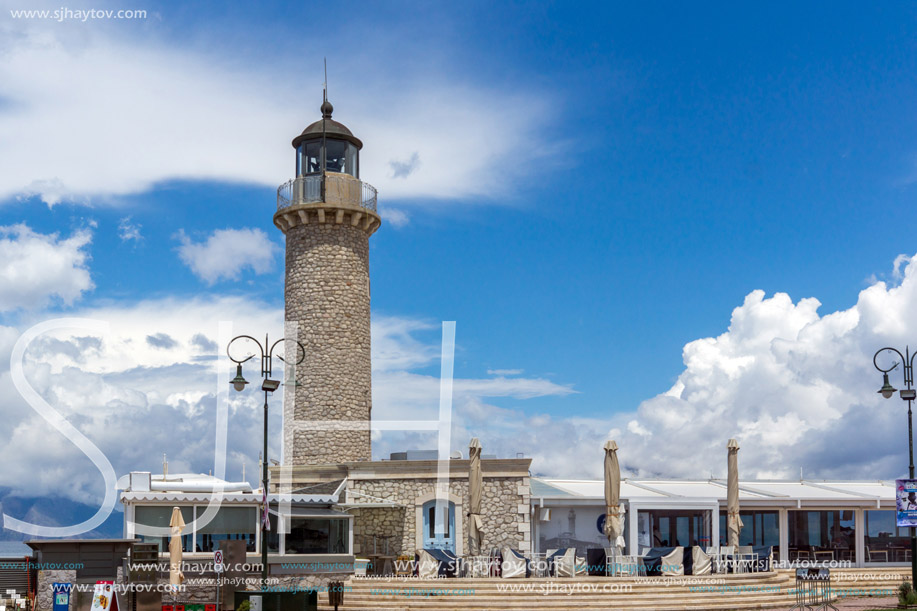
(796, 388)
(128, 230)
(37, 268)
(137, 398)
(504, 372)
(226, 252)
(140, 111)
(394, 216)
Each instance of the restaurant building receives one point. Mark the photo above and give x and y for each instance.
(806, 521)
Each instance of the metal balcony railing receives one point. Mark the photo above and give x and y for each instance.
(332, 190)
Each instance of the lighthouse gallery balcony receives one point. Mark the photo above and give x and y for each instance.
(329, 188)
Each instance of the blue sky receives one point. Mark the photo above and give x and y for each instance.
(599, 185)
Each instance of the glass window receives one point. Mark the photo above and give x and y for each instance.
(884, 541)
(342, 157)
(431, 520)
(229, 523)
(821, 535)
(160, 516)
(759, 528)
(318, 536)
(272, 537)
(678, 527)
(309, 159)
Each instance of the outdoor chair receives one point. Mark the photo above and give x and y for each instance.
(617, 564)
(539, 564)
(826, 554)
(727, 558)
(569, 565)
(701, 562)
(477, 566)
(611, 560)
(746, 558)
(714, 552)
(513, 564)
(876, 552)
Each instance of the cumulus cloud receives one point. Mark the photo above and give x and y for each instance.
(226, 252)
(176, 102)
(37, 268)
(795, 387)
(137, 392)
(129, 231)
(394, 216)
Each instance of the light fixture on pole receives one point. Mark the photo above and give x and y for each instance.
(268, 386)
(907, 394)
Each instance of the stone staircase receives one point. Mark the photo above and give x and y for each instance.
(708, 593)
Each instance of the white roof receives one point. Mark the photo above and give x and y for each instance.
(230, 498)
(765, 491)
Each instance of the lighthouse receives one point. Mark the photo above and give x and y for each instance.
(328, 215)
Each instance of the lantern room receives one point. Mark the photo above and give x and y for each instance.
(327, 146)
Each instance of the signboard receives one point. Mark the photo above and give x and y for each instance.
(61, 596)
(218, 561)
(906, 502)
(103, 597)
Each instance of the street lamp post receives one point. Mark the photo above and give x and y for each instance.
(908, 394)
(268, 386)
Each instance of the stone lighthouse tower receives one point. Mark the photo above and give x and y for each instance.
(327, 215)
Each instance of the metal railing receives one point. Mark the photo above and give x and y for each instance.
(331, 190)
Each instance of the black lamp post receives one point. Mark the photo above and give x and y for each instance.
(268, 386)
(908, 394)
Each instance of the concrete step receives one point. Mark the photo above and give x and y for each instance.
(587, 593)
(643, 594)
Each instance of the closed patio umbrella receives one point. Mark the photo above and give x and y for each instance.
(475, 491)
(614, 510)
(733, 521)
(177, 523)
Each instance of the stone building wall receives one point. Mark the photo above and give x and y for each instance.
(44, 595)
(327, 301)
(505, 512)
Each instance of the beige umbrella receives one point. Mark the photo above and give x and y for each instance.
(733, 521)
(614, 510)
(177, 523)
(475, 490)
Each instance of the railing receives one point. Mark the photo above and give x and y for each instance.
(337, 190)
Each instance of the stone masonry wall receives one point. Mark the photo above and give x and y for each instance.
(44, 595)
(327, 299)
(505, 511)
